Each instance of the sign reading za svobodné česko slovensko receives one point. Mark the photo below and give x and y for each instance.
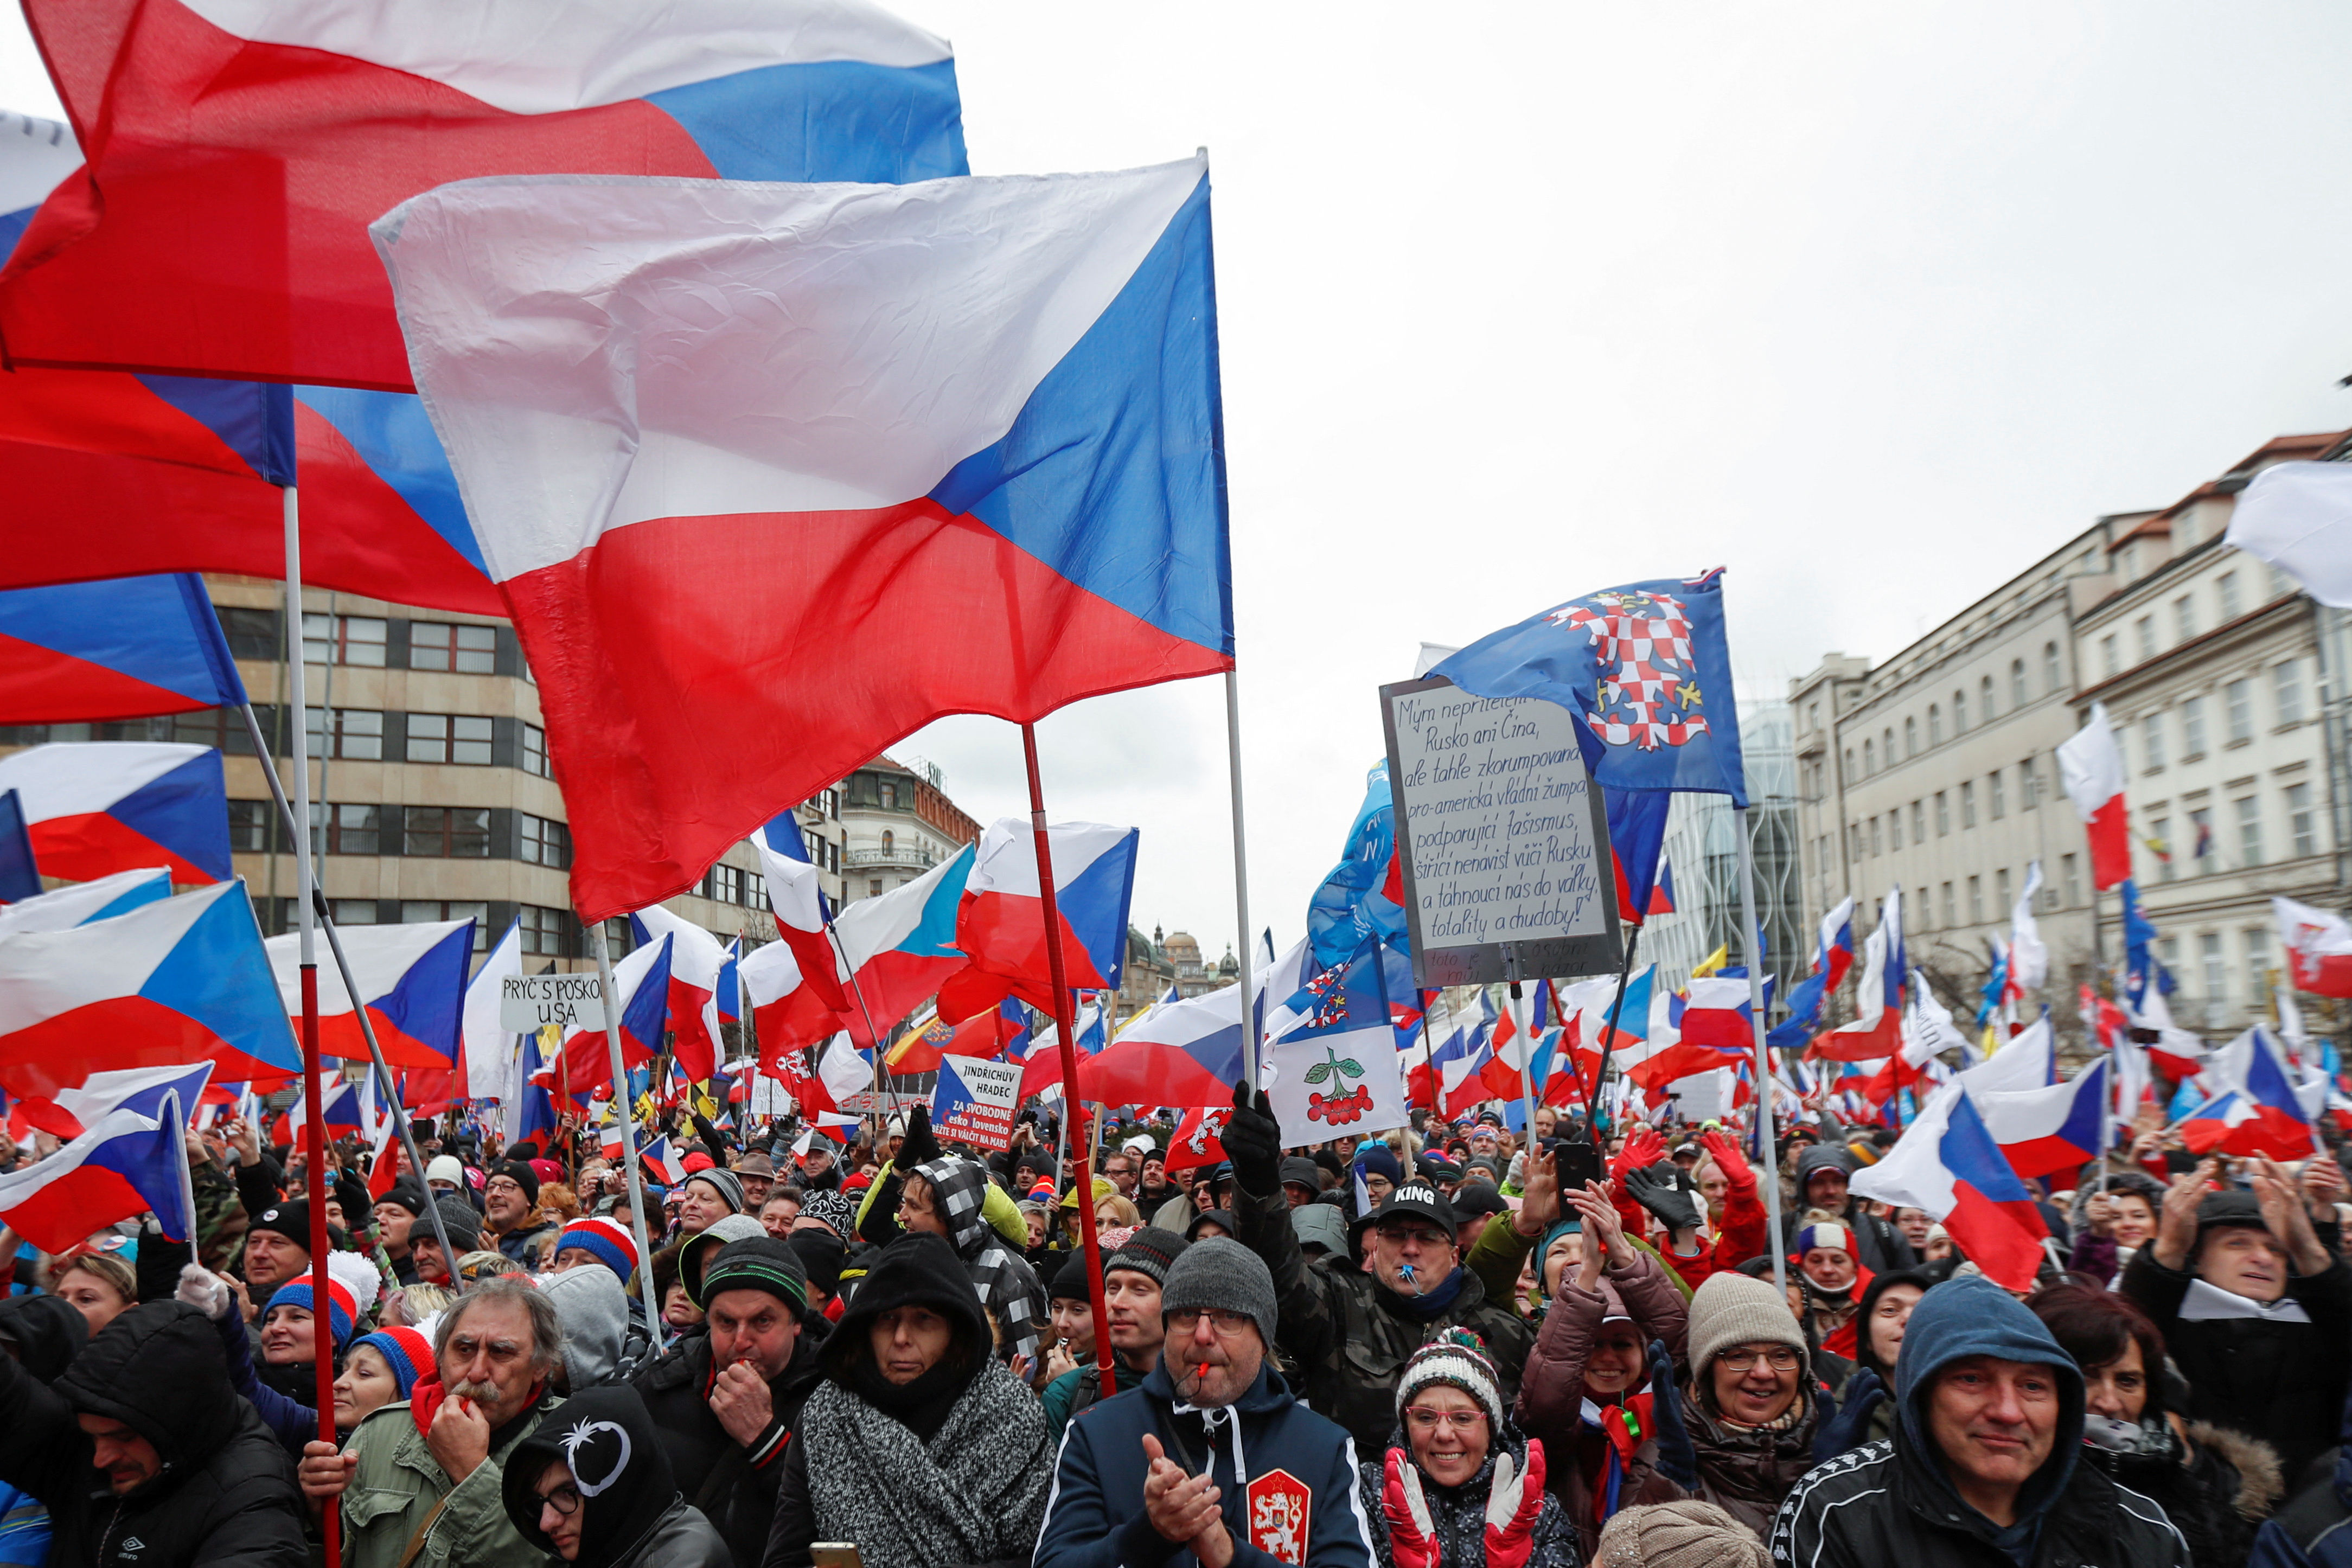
(1503, 838)
(975, 1100)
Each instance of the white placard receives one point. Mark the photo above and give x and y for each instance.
(527, 1003)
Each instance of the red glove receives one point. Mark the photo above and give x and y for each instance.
(1412, 1536)
(1737, 1176)
(1512, 1507)
(1642, 1151)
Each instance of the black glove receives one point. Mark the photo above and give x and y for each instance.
(1659, 1190)
(1842, 1430)
(1252, 1141)
(920, 1145)
(1677, 1455)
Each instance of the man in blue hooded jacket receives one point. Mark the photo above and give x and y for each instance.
(1210, 1460)
(1984, 1467)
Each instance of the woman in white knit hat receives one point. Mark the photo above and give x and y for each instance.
(1459, 1485)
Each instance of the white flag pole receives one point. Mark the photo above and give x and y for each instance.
(1769, 1176)
(1246, 944)
(176, 1119)
(603, 957)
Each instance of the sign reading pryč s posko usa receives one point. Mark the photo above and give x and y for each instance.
(527, 1003)
(1503, 838)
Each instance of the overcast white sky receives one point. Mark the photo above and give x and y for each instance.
(1869, 304)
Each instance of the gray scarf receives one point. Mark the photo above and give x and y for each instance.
(975, 1493)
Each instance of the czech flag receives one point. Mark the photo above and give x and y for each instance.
(1001, 921)
(694, 960)
(1662, 895)
(223, 233)
(2091, 768)
(1717, 1030)
(1637, 833)
(893, 951)
(73, 1112)
(1832, 956)
(1645, 673)
(127, 1164)
(170, 983)
(98, 807)
(641, 984)
(1877, 1032)
(661, 1165)
(1189, 1053)
(2045, 1130)
(802, 918)
(123, 649)
(2260, 1114)
(990, 480)
(413, 978)
(2318, 944)
(1948, 1164)
(344, 1109)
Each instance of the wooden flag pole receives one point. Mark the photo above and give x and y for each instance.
(1065, 1025)
(314, 1126)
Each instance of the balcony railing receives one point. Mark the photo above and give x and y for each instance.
(910, 855)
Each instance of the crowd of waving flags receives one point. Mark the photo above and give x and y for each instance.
(994, 483)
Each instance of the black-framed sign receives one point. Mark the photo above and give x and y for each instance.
(1504, 839)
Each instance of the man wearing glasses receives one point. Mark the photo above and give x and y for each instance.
(1350, 1330)
(1213, 1461)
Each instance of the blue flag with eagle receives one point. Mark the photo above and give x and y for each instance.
(1643, 671)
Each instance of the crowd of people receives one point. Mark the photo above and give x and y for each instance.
(1435, 1348)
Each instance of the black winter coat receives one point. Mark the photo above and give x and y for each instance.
(225, 1495)
(2284, 1384)
(735, 1485)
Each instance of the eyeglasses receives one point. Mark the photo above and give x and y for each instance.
(1426, 1421)
(1780, 1358)
(1229, 1325)
(502, 1184)
(565, 1500)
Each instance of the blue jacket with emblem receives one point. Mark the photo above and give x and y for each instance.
(1267, 1451)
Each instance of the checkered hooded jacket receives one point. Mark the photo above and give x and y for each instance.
(1008, 1287)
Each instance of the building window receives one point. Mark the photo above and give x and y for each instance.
(1910, 738)
(252, 633)
(1850, 773)
(2238, 706)
(355, 640)
(2184, 619)
(1894, 828)
(2257, 942)
(534, 752)
(539, 842)
(418, 911)
(2249, 830)
(1854, 841)
(2145, 627)
(726, 883)
(543, 933)
(348, 911)
(1886, 746)
(1951, 910)
(2226, 585)
(2286, 690)
(755, 891)
(462, 650)
(2159, 832)
(1960, 712)
(1984, 701)
(449, 738)
(458, 832)
(887, 792)
(2192, 728)
(890, 839)
(1918, 823)
(2000, 888)
(252, 825)
(1935, 725)
(222, 728)
(874, 888)
(2111, 661)
(1943, 817)
(1996, 795)
(356, 734)
(350, 830)
(2028, 785)
(2016, 699)
(1976, 901)
(2053, 671)
(2067, 880)
(2201, 838)
(2217, 979)
(2151, 740)
(1869, 759)
(1812, 715)
(2300, 832)
(1876, 844)
(1968, 805)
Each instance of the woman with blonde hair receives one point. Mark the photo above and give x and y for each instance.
(99, 1285)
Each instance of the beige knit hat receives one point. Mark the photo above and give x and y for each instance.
(1686, 1535)
(1733, 1309)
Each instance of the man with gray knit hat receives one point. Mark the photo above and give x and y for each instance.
(1212, 1456)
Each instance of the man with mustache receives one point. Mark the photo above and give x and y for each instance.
(427, 1469)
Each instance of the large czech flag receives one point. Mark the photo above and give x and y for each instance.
(978, 471)
(94, 808)
(127, 648)
(238, 150)
(1948, 1164)
(178, 981)
(413, 978)
(1001, 920)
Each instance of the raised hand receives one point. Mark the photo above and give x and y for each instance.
(2175, 1221)
(1738, 1176)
